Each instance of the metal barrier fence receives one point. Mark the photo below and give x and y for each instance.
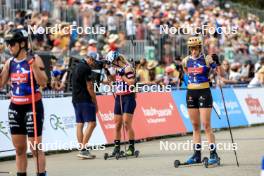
(16, 4)
(8, 8)
(60, 10)
(140, 47)
(157, 49)
(7, 13)
(150, 49)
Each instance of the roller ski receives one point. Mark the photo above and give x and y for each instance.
(195, 159)
(214, 160)
(115, 154)
(131, 152)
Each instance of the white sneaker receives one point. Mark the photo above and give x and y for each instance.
(86, 155)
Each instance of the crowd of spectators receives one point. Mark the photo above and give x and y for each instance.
(112, 23)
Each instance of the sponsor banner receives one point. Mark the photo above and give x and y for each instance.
(179, 97)
(59, 132)
(5, 136)
(236, 115)
(155, 115)
(60, 125)
(252, 103)
(234, 110)
(105, 116)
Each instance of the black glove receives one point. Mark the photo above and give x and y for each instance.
(216, 59)
(30, 57)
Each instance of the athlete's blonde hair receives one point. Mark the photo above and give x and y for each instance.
(123, 59)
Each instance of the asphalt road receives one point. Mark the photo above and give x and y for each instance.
(154, 160)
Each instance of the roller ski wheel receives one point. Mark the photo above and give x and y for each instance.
(177, 163)
(118, 155)
(205, 161)
(106, 156)
(136, 153)
(218, 161)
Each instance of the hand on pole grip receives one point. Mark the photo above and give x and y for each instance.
(30, 57)
(216, 59)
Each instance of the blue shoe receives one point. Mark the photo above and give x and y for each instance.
(213, 158)
(195, 158)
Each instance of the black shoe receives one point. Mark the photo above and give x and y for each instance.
(116, 150)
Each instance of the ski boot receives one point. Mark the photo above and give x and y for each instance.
(130, 151)
(195, 158)
(214, 159)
